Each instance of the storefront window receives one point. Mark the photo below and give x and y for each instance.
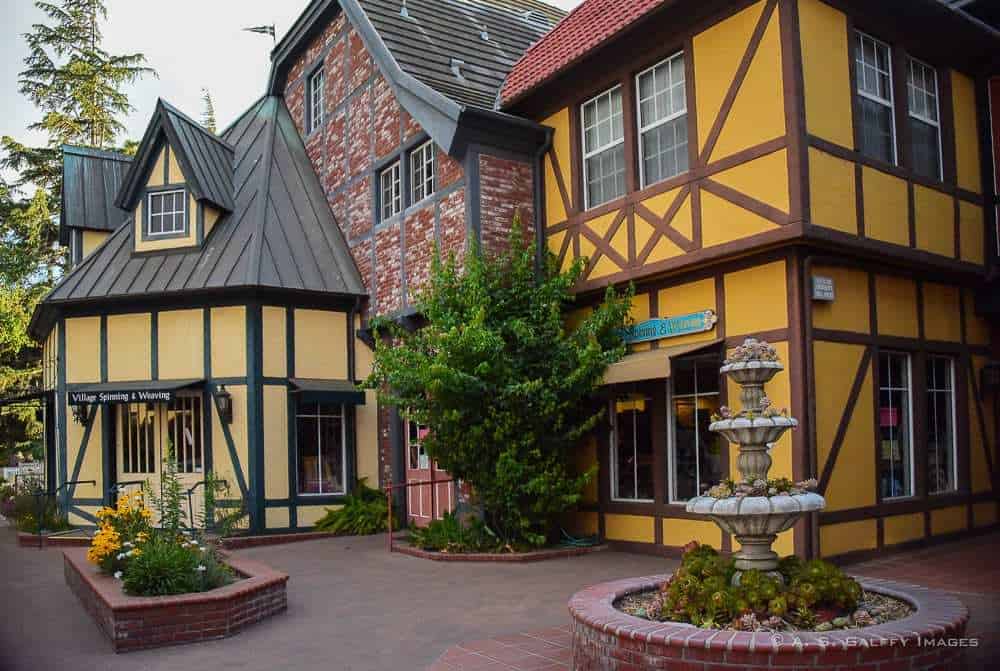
(895, 450)
(941, 463)
(137, 437)
(696, 452)
(320, 442)
(184, 433)
(632, 449)
(415, 446)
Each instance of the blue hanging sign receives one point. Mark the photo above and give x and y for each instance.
(669, 327)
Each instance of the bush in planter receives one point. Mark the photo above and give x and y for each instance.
(173, 564)
(448, 534)
(364, 512)
(501, 381)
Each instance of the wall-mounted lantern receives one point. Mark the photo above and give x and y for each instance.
(224, 404)
(80, 413)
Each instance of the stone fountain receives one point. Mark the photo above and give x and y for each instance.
(754, 513)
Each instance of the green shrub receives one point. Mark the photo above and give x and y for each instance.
(173, 564)
(27, 509)
(701, 591)
(448, 534)
(364, 512)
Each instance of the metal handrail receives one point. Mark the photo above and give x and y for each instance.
(190, 506)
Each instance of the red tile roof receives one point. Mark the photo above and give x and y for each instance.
(590, 25)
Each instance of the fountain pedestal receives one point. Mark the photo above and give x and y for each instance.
(755, 521)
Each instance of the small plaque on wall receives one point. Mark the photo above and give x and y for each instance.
(822, 288)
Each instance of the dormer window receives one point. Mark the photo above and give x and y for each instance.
(317, 84)
(167, 212)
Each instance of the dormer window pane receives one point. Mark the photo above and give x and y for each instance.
(663, 141)
(925, 124)
(422, 172)
(391, 192)
(873, 70)
(603, 148)
(167, 212)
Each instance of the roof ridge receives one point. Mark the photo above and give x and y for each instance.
(184, 117)
(253, 263)
(94, 152)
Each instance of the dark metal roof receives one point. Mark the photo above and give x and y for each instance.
(91, 179)
(987, 11)
(281, 233)
(205, 159)
(441, 42)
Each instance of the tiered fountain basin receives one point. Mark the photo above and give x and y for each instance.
(607, 639)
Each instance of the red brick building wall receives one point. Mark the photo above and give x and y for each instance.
(506, 190)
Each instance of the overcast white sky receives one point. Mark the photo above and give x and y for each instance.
(191, 43)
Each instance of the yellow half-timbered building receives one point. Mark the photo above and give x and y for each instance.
(810, 172)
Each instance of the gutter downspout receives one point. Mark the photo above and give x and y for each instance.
(538, 202)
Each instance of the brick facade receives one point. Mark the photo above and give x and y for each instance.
(506, 190)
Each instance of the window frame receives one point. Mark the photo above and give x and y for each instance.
(910, 412)
(316, 108)
(910, 114)
(613, 458)
(672, 497)
(953, 392)
(427, 155)
(859, 64)
(585, 155)
(343, 448)
(148, 215)
(641, 130)
(395, 169)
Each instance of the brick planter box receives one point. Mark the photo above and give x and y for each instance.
(45, 540)
(134, 623)
(606, 639)
(538, 555)
(241, 542)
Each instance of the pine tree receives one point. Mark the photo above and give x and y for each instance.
(78, 88)
(208, 113)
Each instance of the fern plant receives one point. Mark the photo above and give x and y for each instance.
(364, 512)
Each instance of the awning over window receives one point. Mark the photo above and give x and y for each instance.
(147, 391)
(331, 391)
(651, 365)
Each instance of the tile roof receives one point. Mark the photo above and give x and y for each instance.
(91, 179)
(280, 234)
(587, 27)
(440, 42)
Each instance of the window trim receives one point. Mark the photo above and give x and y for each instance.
(672, 498)
(147, 232)
(396, 167)
(890, 103)
(641, 130)
(419, 150)
(910, 60)
(315, 120)
(910, 413)
(953, 391)
(583, 145)
(343, 449)
(613, 461)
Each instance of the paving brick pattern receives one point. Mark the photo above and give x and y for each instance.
(543, 650)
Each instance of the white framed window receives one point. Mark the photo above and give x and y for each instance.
(873, 70)
(391, 193)
(925, 119)
(417, 455)
(632, 448)
(694, 456)
(942, 462)
(184, 432)
(167, 212)
(895, 425)
(662, 117)
(422, 172)
(603, 148)
(317, 85)
(320, 446)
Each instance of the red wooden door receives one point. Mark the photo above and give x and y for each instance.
(425, 501)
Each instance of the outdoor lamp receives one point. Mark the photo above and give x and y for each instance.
(80, 414)
(224, 403)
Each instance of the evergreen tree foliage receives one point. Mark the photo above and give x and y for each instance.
(503, 383)
(78, 88)
(208, 111)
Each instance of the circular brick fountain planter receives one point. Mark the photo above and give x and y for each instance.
(606, 639)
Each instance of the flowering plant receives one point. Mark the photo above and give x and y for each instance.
(752, 350)
(771, 487)
(121, 532)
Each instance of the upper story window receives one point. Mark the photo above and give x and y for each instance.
(391, 193)
(663, 140)
(422, 172)
(317, 83)
(873, 69)
(166, 212)
(925, 120)
(603, 148)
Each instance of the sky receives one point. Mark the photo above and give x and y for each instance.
(192, 44)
